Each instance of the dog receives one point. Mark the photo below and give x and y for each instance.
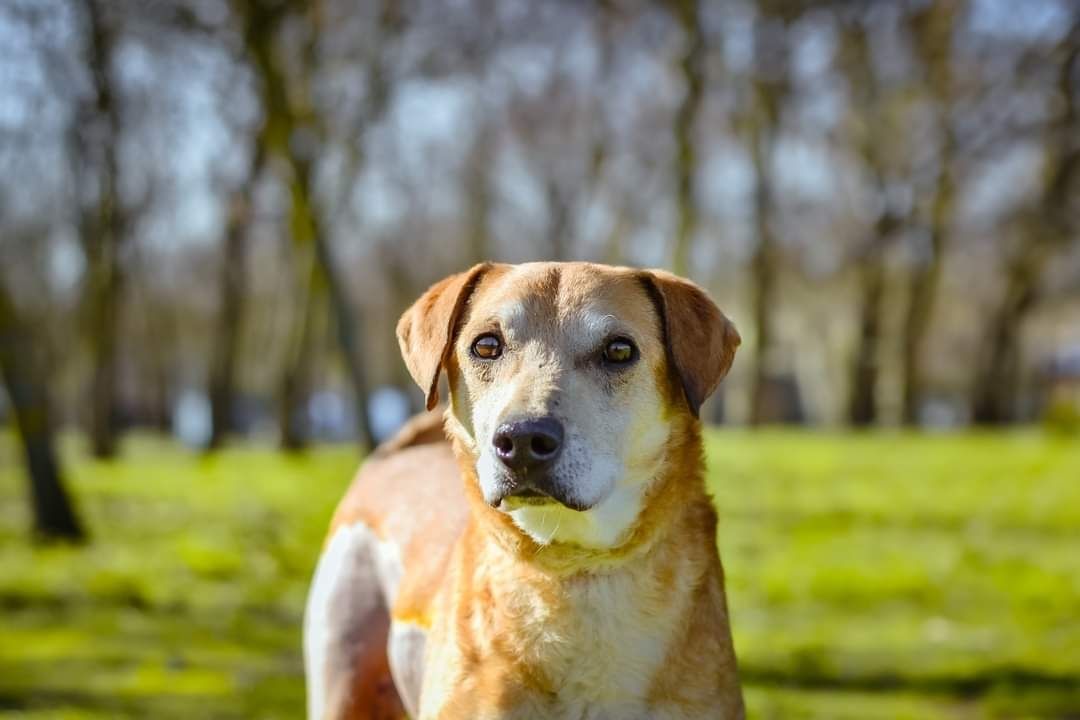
(555, 557)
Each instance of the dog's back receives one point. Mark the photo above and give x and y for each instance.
(387, 550)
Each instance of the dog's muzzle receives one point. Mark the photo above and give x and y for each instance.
(527, 449)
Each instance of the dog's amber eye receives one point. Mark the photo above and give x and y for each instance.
(487, 347)
(619, 351)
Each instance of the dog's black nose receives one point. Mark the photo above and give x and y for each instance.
(526, 445)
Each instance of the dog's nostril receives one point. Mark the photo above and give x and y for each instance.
(504, 444)
(542, 445)
(528, 444)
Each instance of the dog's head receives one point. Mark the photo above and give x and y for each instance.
(567, 381)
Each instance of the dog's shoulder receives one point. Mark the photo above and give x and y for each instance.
(409, 496)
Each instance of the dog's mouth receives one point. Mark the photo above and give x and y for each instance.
(530, 496)
(522, 496)
(529, 493)
(514, 502)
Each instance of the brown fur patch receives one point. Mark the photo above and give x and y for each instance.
(701, 341)
(426, 330)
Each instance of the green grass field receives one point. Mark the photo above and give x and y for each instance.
(870, 576)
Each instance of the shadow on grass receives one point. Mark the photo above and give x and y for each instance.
(158, 706)
(972, 685)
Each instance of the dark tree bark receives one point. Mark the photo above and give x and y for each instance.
(763, 270)
(770, 87)
(863, 407)
(764, 266)
(933, 31)
(872, 142)
(54, 515)
(233, 292)
(692, 72)
(104, 244)
(293, 134)
(998, 369)
(1049, 228)
(478, 240)
(297, 375)
(348, 326)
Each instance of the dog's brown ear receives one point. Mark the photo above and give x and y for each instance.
(426, 331)
(700, 340)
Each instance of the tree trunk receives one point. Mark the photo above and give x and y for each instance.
(105, 275)
(922, 295)
(769, 86)
(54, 516)
(233, 292)
(292, 133)
(862, 408)
(763, 273)
(349, 328)
(923, 288)
(223, 369)
(478, 240)
(105, 281)
(1051, 227)
(869, 98)
(308, 227)
(296, 377)
(692, 71)
(934, 28)
(998, 370)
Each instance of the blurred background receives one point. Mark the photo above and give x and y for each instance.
(212, 214)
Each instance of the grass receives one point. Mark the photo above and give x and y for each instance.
(870, 576)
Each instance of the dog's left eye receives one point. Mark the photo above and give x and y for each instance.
(619, 351)
(487, 347)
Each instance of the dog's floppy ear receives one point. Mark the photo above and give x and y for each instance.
(700, 340)
(426, 331)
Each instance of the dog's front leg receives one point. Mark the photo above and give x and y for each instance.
(346, 627)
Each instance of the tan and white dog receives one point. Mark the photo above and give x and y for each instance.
(557, 557)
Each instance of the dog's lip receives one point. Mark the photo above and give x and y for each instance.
(520, 497)
(531, 497)
(528, 492)
(516, 502)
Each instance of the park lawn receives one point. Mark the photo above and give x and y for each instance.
(870, 576)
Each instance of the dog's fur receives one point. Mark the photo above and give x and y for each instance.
(442, 595)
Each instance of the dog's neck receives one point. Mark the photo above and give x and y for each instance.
(598, 624)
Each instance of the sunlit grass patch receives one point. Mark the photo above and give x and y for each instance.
(870, 576)
(877, 565)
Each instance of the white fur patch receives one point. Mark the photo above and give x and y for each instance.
(406, 655)
(600, 527)
(356, 576)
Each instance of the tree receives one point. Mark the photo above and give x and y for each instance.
(933, 30)
(294, 133)
(104, 233)
(692, 72)
(54, 515)
(1045, 230)
(769, 90)
(874, 136)
(233, 292)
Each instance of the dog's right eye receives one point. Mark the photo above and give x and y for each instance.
(487, 347)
